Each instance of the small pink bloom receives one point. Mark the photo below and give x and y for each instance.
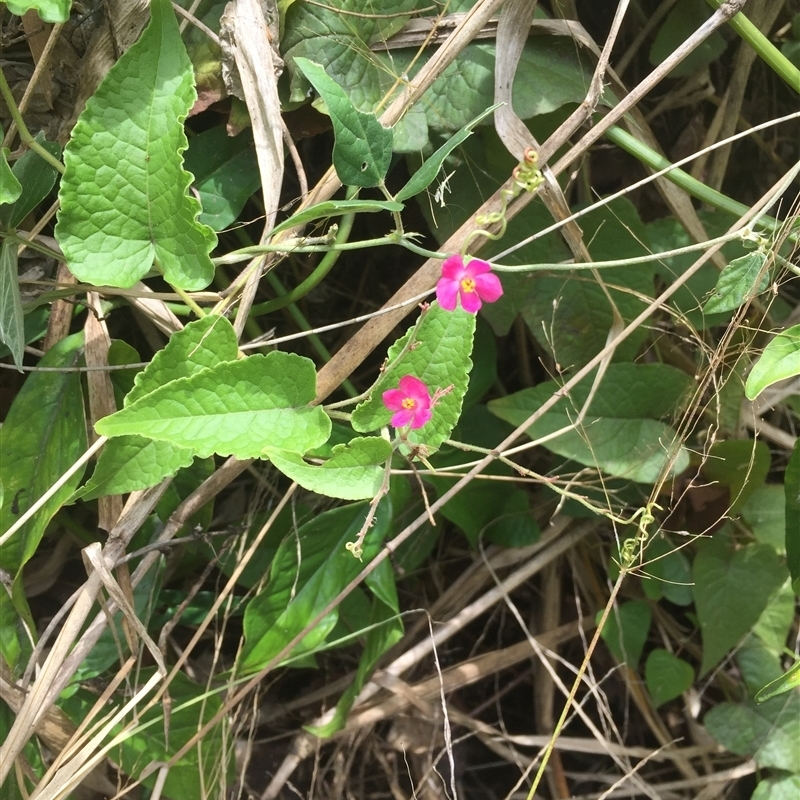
(411, 402)
(472, 283)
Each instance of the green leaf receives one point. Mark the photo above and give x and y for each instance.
(680, 23)
(48, 10)
(208, 762)
(12, 320)
(108, 649)
(427, 173)
(785, 788)
(41, 438)
(670, 571)
(768, 733)
(130, 463)
(37, 178)
(621, 434)
(732, 589)
(234, 408)
(740, 464)
(780, 360)
(792, 488)
(203, 343)
(569, 314)
(354, 471)
(765, 515)
(335, 208)
(739, 282)
(667, 676)
(668, 234)
(787, 682)
(308, 571)
(362, 150)
(121, 353)
(498, 512)
(440, 358)
(626, 629)
(386, 630)
(10, 187)
(124, 201)
(225, 170)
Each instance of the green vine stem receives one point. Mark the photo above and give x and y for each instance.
(320, 271)
(22, 128)
(767, 51)
(680, 178)
(528, 178)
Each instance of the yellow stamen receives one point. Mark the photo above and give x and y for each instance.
(409, 403)
(468, 284)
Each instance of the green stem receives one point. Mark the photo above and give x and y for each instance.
(302, 323)
(680, 178)
(189, 302)
(767, 51)
(625, 262)
(296, 246)
(320, 271)
(22, 128)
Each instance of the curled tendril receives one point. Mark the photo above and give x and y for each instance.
(527, 177)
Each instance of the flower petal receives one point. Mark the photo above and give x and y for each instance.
(453, 267)
(402, 418)
(488, 287)
(447, 293)
(477, 267)
(421, 417)
(470, 302)
(393, 399)
(415, 389)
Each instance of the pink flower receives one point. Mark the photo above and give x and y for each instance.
(411, 402)
(473, 283)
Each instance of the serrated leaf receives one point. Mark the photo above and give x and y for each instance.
(41, 438)
(130, 463)
(780, 360)
(234, 408)
(440, 358)
(37, 178)
(768, 733)
(225, 170)
(667, 676)
(354, 471)
(739, 282)
(427, 173)
(362, 149)
(308, 571)
(621, 434)
(48, 10)
(203, 343)
(124, 201)
(12, 321)
(10, 187)
(731, 590)
(626, 629)
(335, 208)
